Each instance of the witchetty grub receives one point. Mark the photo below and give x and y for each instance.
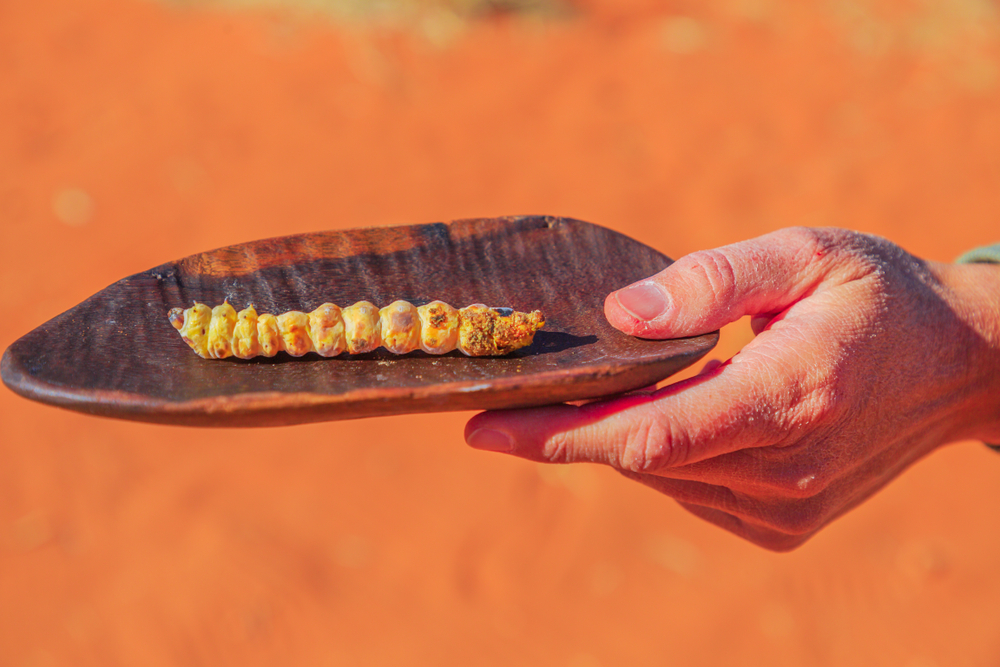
(400, 327)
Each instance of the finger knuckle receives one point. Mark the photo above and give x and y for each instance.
(825, 402)
(814, 243)
(819, 408)
(650, 446)
(715, 270)
(803, 408)
(557, 449)
(638, 445)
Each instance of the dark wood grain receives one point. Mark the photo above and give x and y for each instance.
(116, 355)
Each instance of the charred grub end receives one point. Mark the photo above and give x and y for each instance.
(477, 332)
(537, 319)
(176, 317)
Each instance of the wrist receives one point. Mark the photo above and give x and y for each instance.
(973, 293)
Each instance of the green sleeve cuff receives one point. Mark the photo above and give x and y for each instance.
(986, 255)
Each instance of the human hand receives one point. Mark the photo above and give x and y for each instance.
(866, 359)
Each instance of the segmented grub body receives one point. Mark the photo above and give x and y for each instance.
(400, 327)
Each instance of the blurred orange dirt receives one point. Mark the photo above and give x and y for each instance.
(133, 132)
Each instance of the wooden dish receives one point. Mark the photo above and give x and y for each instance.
(116, 354)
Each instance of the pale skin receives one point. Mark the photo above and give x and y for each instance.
(866, 359)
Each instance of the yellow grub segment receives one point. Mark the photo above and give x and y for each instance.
(220, 331)
(438, 327)
(361, 327)
(294, 328)
(268, 335)
(194, 327)
(326, 329)
(245, 345)
(399, 327)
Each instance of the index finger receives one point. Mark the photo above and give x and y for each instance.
(722, 411)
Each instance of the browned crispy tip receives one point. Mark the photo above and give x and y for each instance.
(516, 330)
(176, 317)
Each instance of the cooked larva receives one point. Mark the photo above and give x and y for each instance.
(400, 327)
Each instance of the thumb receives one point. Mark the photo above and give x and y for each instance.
(705, 290)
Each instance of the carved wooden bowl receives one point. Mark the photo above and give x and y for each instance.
(116, 354)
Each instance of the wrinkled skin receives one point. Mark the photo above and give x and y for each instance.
(866, 359)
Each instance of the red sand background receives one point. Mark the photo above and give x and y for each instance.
(132, 133)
